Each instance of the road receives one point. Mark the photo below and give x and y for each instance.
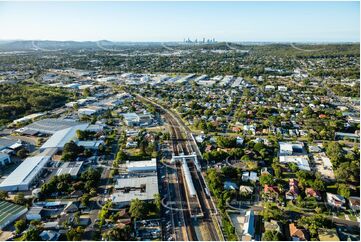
(183, 142)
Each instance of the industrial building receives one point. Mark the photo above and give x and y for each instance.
(25, 174)
(134, 119)
(61, 137)
(9, 212)
(127, 189)
(48, 126)
(142, 166)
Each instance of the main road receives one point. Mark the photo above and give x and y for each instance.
(183, 142)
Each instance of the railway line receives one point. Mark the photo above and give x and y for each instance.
(183, 144)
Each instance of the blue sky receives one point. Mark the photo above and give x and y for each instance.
(174, 21)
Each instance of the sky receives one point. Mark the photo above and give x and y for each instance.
(175, 21)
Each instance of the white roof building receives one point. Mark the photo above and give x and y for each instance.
(142, 166)
(143, 188)
(23, 176)
(61, 137)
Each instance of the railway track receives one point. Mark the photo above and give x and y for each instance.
(183, 144)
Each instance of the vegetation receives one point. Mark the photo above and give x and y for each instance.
(18, 100)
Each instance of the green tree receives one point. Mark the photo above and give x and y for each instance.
(20, 226)
(266, 180)
(343, 190)
(272, 235)
(75, 234)
(3, 195)
(137, 209)
(20, 198)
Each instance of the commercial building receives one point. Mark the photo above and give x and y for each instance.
(63, 136)
(142, 166)
(25, 174)
(127, 189)
(72, 168)
(134, 119)
(9, 212)
(49, 126)
(90, 144)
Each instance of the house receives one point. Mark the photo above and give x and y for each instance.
(228, 185)
(310, 192)
(208, 148)
(293, 192)
(49, 235)
(131, 144)
(4, 159)
(354, 203)
(273, 225)
(34, 213)
(297, 234)
(335, 200)
(245, 189)
(266, 171)
(71, 207)
(327, 235)
(248, 231)
(249, 176)
(239, 141)
(271, 193)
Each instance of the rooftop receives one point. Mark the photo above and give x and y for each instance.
(131, 188)
(26, 171)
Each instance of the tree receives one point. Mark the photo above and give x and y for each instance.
(318, 184)
(20, 198)
(86, 92)
(31, 235)
(266, 180)
(3, 195)
(74, 234)
(343, 190)
(20, 226)
(116, 233)
(137, 208)
(334, 152)
(22, 153)
(157, 201)
(272, 235)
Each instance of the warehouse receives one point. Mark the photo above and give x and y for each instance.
(25, 174)
(142, 166)
(9, 212)
(49, 126)
(61, 137)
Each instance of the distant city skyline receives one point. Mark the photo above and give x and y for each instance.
(177, 21)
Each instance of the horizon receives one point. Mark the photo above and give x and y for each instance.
(261, 22)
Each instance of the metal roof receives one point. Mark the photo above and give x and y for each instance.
(187, 175)
(25, 172)
(61, 137)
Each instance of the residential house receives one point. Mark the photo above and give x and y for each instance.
(310, 192)
(298, 234)
(249, 176)
(335, 200)
(354, 203)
